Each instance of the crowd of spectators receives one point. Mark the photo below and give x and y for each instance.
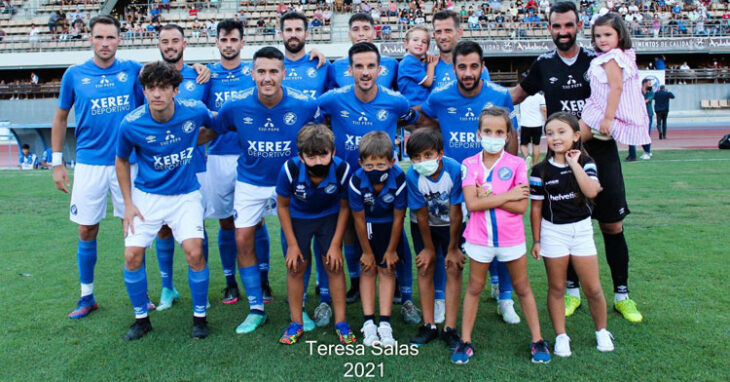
(7, 8)
(63, 27)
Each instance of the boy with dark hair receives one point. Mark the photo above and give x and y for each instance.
(435, 199)
(312, 203)
(378, 202)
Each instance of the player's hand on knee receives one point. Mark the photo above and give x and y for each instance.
(425, 258)
(130, 212)
(60, 178)
(367, 261)
(455, 258)
(333, 259)
(293, 258)
(389, 259)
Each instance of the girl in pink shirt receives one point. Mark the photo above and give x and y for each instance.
(496, 191)
(616, 107)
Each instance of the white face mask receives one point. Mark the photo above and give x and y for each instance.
(493, 145)
(427, 167)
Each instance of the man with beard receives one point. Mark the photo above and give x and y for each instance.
(362, 29)
(446, 33)
(172, 44)
(308, 77)
(561, 75)
(355, 110)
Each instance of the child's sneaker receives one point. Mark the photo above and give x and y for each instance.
(540, 352)
(506, 309)
(562, 346)
(451, 338)
(425, 335)
(344, 333)
(495, 291)
(410, 313)
(369, 333)
(463, 352)
(571, 304)
(627, 308)
(308, 323)
(291, 334)
(604, 340)
(322, 314)
(167, 298)
(385, 332)
(439, 311)
(86, 305)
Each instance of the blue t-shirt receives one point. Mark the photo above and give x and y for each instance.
(379, 207)
(224, 85)
(411, 73)
(304, 76)
(307, 201)
(47, 156)
(339, 75)
(444, 73)
(164, 149)
(438, 195)
(191, 90)
(268, 136)
(458, 116)
(28, 160)
(352, 119)
(100, 98)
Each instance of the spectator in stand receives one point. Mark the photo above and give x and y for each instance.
(77, 14)
(155, 13)
(419, 19)
(271, 26)
(166, 4)
(26, 159)
(473, 21)
(661, 107)
(327, 16)
(659, 62)
(375, 14)
(193, 12)
(392, 9)
(196, 28)
(2, 34)
(281, 9)
(33, 36)
(211, 27)
(316, 25)
(386, 31)
(53, 24)
(33, 78)
(260, 25)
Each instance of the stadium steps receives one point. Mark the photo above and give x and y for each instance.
(339, 27)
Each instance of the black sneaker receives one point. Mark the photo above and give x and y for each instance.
(450, 337)
(630, 159)
(266, 290)
(354, 293)
(138, 330)
(425, 335)
(200, 328)
(231, 294)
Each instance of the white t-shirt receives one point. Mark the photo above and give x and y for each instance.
(530, 113)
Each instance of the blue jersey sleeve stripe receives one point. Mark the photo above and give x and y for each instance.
(345, 174)
(353, 188)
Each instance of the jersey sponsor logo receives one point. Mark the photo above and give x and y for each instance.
(388, 198)
(135, 114)
(188, 127)
(292, 74)
(170, 138)
(382, 115)
(189, 86)
(269, 125)
(362, 120)
(469, 113)
(269, 149)
(560, 197)
(107, 105)
(463, 140)
(504, 173)
(122, 77)
(311, 72)
(104, 82)
(551, 182)
(85, 81)
(352, 142)
(188, 102)
(173, 161)
(572, 106)
(222, 97)
(290, 118)
(330, 189)
(571, 83)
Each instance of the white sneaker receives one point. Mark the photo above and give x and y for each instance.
(604, 339)
(495, 291)
(369, 333)
(386, 334)
(506, 308)
(439, 311)
(562, 346)
(646, 156)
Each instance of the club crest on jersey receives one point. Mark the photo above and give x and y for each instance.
(188, 127)
(190, 86)
(74, 210)
(382, 115)
(388, 198)
(504, 173)
(246, 71)
(290, 118)
(330, 189)
(122, 77)
(85, 81)
(464, 172)
(383, 71)
(312, 72)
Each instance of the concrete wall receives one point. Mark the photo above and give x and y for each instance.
(689, 97)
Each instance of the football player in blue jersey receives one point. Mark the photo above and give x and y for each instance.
(101, 90)
(266, 120)
(172, 44)
(353, 111)
(446, 33)
(163, 134)
(362, 29)
(456, 107)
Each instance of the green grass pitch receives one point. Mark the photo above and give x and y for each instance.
(677, 235)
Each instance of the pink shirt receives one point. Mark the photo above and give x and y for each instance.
(495, 227)
(631, 122)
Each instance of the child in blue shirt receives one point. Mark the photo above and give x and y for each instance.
(416, 69)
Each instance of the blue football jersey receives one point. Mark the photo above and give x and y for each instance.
(268, 136)
(339, 74)
(307, 201)
(411, 73)
(378, 207)
(164, 149)
(458, 116)
(191, 90)
(352, 119)
(444, 73)
(224, 85)
(304, 76)
(100, 98)
(438, 195)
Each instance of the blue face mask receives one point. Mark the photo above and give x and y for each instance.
(377, 176)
